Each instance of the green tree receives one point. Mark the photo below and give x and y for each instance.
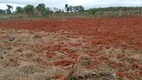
(29, 9)
(71, 8)
(9, 7)
(41, 9)
(92, 11)
(19, 9)
(2, 11)
(48, 11)
(67, 7)
(78, 8)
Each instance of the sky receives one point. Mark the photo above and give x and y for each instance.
(60, 3)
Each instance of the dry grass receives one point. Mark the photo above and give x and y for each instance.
(32, 56)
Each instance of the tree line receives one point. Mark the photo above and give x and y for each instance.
(93, 11)
(41, 10)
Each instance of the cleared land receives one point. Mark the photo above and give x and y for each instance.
(62, 49)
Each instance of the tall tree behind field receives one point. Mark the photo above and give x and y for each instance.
(48, 11)
(71, 8)
(19, 9)
(2, 11)
(80, 8)
(67, 7)
(29, 9)
(9, 7)
(41, 9)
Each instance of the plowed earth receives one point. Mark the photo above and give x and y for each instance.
(62, 49)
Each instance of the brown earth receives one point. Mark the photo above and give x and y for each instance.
(66, 49)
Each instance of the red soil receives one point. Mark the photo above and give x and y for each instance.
(115, 31)
(102, 33)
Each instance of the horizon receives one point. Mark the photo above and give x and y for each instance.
(60, 3)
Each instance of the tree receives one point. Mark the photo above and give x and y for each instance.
(19, 9)
(55, 9)
(71, 8)
(92, 11)
(41, 9)
(2, 11)
(67, 7)
(78, 8)
(29, 9)
(48, 11)
(9, 7)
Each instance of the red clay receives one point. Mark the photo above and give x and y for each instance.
(97, 39)
(126, 32)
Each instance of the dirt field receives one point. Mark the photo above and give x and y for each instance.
(71, 49)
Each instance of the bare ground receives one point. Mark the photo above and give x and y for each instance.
(40, 55)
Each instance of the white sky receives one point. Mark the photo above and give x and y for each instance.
(60, 3)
